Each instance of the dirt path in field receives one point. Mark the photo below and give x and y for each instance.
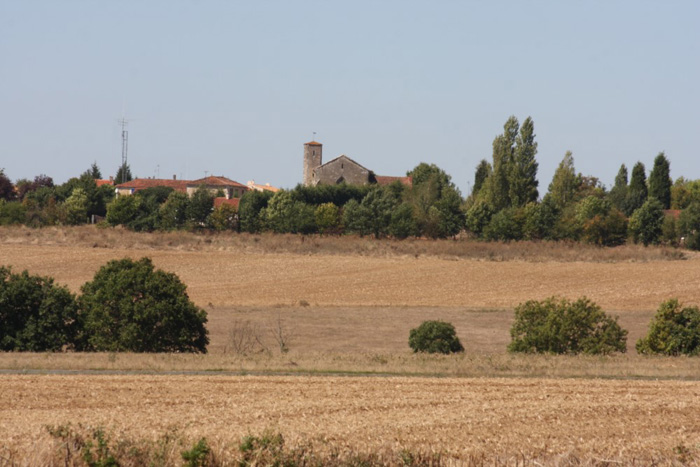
(535, 417)
(224, 278)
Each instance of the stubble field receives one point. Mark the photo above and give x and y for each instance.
(349, 313)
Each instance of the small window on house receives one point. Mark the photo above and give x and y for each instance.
(342, 166)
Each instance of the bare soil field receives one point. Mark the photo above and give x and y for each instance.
(551, 421)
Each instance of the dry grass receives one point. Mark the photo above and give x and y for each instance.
(537, 419)
(118, 238)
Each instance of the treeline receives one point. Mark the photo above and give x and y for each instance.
(505, 204)
(432, 207)
(40, 202)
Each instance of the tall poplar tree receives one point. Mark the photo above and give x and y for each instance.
(637, 190)
(523, 170)
(618, 193)
(564, 183)
(483, 171)
(660, 181)
(503, 154)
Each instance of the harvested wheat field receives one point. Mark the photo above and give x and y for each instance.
(221, 275)
(507, 419)
(346, 306)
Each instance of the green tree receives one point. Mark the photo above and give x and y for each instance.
(483, 172)
(35, 314)
(224, 217)
(7, 189)
(130, 306)
(378, 206)
(403, 224)
(285, 215)
(689, 225)
(563, 327)
(327, 218)
(637, 191)
(123, 210)
(172, 214)
(506, 225)
(503, 159)
(357, 218)
(522, 180)
(564, 183)
(76, 207)
(123, 174)
(660, 181)
(249, 209)
(12, 212)
(478, 217)
(93, 172)
(200, 207)
(674, 330)
(646, 223)
(618, 193)
(435, 337)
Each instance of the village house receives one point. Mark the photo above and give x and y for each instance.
(219, 186)
(342, 169)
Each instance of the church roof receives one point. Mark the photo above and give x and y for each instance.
(313, 143)
(347, 159)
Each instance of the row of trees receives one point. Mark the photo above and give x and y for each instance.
(560, 326)
(128, 306)
(505, 203)
(431, 207)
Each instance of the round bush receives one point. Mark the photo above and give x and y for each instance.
(674, 330)
(563, 327)
(435, 337)
(35, 314)
(129, 306)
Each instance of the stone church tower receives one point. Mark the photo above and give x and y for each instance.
(312, 159)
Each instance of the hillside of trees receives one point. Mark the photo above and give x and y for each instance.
(506, 203)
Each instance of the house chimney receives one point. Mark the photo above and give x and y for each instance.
(174, 177)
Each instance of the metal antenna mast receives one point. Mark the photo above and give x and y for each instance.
(125, 147)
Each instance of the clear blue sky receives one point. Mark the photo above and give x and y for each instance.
(236, 87)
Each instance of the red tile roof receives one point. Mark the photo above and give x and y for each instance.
(104, 182)
(143, 183)
(216, 181)
(313, 143)
(231, 202)
(387, 180)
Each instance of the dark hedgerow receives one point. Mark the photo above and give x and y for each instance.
(435, 337)
(563, 327)
(129, 306)
(674, 330)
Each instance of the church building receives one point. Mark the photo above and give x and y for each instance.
(342, 169)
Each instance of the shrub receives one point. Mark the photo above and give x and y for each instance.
(563, 327)
(646, 223)
(130, 306)
(35, 314)
(674, 330)
(435, 337)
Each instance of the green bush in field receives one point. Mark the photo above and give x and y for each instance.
(563, 327)
(35, 314)
(435, 337)
(130, 306)
(674, 330)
